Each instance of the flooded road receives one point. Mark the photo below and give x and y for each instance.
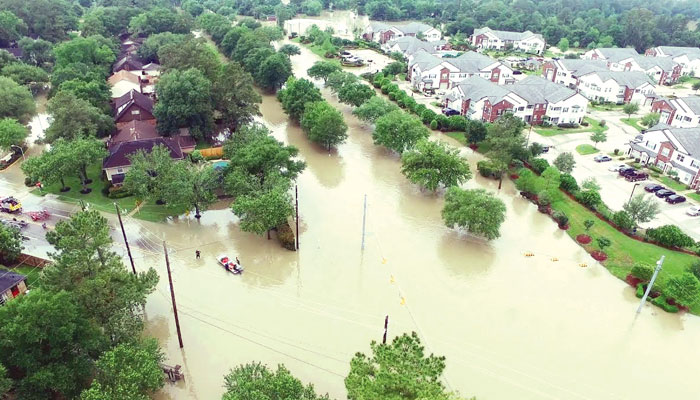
(511, 327)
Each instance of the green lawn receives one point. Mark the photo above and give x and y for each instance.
(624, 251)
(606, 107)
(594, 126)
(586, 149)
(694, 196)
(98, 201)
(686, 82)
(673, 185)
(633, 122)
(31, 273)
(316, 50)
(458, 136)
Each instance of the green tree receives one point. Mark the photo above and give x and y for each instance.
(234, 96)
(476, 131)
(670, 235)
(90, 51)
(651, 119)
(95, 277)
(623, 220)
(355, 94)
(25, 74)
(12, 133)
(374, 108)
(398, 131)
(630, 108)
(431, 164)
(74, 118)
(339, 79)
(603, 242)
(36, 52)
(48, 341)
(11, 28)
(290, 50)
(529, 182)
(324, 124)
(274, 72)
(399, 370)
(83, 152)
(160, 19)
(563, 45)
(296, 94)
(641, 208)
(506, 142)
(598, 137)
(148, 51)
(311, 7)
(322, 69)
(565, 162)
(97, 93)
(192, 186)
(685, 289)
(51, 166)
(128, 371)
(193, 53)
(230, 40)
(17, 101)
(263, 210)
(394, 68)
(184, 100)
(258, 154)
(255, 380)
(588, 224)
(5, 382)
(10, 243)
(551, 179)
(479, 212)
(150, 174)
(696, 86)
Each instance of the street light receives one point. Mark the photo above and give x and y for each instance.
(20, 150)
(631, 194)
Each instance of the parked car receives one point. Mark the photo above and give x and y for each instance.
(664, 193)
(675, 199)
(615, 168)
(637, 176)
(653, 187)
(602, 158)
(693, 211)
(345, 53)
(626, 171)
(545, 149)
(449, 111)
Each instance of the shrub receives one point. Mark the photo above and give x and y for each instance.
(544, 198)
(285, 235)
(616, 151)
(118, 193)
(561, 218)
(694, 269)
(568, 125)
(655, 169)
(661, 302)
(602, 123)
(392, 95)
(670, 235)
(517, 164)
(457, 123)
(427, 116)
(539, 164)
(419, 109)
(385, 88)
(585, 123)
(433, 124)
(623, 220)
(487, 169)
(568, 183)
(643, 272)
(196, 156)
(443, 122)
(589, 198)
(401, 103)
(28, 181)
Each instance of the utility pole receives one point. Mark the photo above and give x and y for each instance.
(128, 250)
(631, 194)
(386, 328)
(172, 295)
(296, 200)
(651, 283)
(364, 218)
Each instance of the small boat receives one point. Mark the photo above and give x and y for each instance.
(229, 264)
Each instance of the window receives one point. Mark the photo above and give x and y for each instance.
(529, 106)
(120, 170)
(565, 109)
(680, 157)
(695, 164)
(687, 119)
(556, 108)
(665, 151)
(135, 112)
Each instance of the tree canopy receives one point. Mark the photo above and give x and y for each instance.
(399, 131)
(17, 102)
(184, 100)
(374, 108)
(324, 124)
(12, 133)
(255, 380)
(74, 117)
(477, 211)
(432, 164)
(295, 95)
(10, 242)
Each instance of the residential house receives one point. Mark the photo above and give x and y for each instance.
(127, 63)
(533, 99)
(409, 45)
(145, 130)
(671, 149)
(567, 71)
(687, 57)
(427, 72)
(681, 112)
(14, 51)
(617, 87)
(116, 164)
(122, 82)
(11, 285)
(616, 57)
(662, 70)
(381, 32)
(133, 105)
(487, 38)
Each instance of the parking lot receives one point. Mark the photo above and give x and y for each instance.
(616, 190)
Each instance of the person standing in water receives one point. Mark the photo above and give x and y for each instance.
(197, 254)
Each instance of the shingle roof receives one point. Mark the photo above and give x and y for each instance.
(152, 67)
(582, 67)
(425, 60)
(616, 54)
(539, 90)
(673, 51)
(477, 88)
(631, 79)
(9, 279)
(410, 44)
(134, 130)
(692, 102)
(647, 63)
(122, 104)
(689, 138)
(507, 35)
(134, 62)
(413, 27)
(472, 62)
(118, 154)
(122, 76)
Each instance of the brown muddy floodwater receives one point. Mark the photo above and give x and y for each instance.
(511, 327)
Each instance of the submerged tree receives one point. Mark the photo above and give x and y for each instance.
(477, 211)
(431, 164)
(257, 381)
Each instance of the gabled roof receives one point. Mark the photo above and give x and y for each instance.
(508, 35)
(689, 138)
(122, 76)
(119, 153)
(647, 63)
(9, 279)
(674, 51)
(538, 90)
(152, 67)
(413, 28)
(691, 103)
(631, 79)
(410, 44)
(130, 60)
(580, 67)
(122, 104)
(134, 130)
(425, 60)
(616, 54)
(477, 88)
(472, 62)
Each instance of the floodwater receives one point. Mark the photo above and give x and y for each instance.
(511, 327)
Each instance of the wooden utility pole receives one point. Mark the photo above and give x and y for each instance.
(172, 295)
(128, 250)
(364, 218)
(386, 328)
(296, 200)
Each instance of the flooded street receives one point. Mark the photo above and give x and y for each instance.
(510, 326)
